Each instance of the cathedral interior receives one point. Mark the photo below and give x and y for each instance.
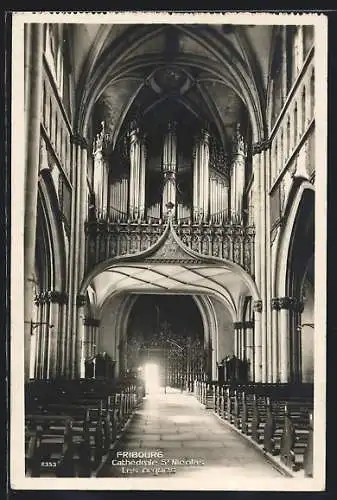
(169, 219)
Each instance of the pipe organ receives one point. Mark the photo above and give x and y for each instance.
(201, 176)
(118, 203)
(214, 187)
(137, 173)
(238, 164)
(169, 169)
(219, 197)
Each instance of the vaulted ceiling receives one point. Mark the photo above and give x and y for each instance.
(218, 73)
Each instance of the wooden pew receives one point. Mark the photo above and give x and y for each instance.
(51, 451)
(308, 454)
(96, 419)
(295, 435)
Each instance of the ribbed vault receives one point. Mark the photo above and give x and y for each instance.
(120, 63)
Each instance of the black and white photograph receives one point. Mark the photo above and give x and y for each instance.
(168, 278)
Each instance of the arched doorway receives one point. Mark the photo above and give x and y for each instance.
(300, 285)
(167, 330)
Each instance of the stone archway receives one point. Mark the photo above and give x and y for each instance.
(294, 271)
(169, 267)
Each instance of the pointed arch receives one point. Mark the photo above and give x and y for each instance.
(281, 284)
(49, 225)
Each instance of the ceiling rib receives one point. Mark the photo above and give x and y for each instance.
(172, 278)
(136, 278)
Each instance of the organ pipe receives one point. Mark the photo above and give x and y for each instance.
(201, 176)
(169, 167)
(143, 156)
(195, 182)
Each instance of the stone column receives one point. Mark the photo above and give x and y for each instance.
(257, 307)
(33, 73)
(61, 299)
(27, 73)
(268, 319)
(284, 64)
(262, 243)
(237, 343)
(243, 342)
(296, 309)
(88, 342)
(284, 328)
(257, 268)
(275, 304)
(49, 323)
(249, 328)
(56, 299)
(77, 365)
(169, 169)
(83, 157)
(76, 253)
(263, 251)
(300, 49)
(37, 326)
(256, 196)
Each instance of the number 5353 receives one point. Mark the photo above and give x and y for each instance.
(48, 464)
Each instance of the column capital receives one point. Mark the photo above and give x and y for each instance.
(50, 296)
(290, 303)
(260, 146)
(91, 321)
(285, 302)
(257, 306)
(79, 140)
(275, 304)
(81, 300)
(237, 325)
(248, 324)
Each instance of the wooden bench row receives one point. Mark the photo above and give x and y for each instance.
(279, 417)
(68, 437)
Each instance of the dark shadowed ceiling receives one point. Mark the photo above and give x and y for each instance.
(216, 72)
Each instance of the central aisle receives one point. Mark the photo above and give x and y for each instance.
(180, 438)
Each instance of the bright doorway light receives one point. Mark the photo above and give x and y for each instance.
(151, 376)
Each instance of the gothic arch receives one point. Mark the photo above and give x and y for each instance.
(138, 258)
(203, 303)
(109, 67)
(281, 283)
(51, 230)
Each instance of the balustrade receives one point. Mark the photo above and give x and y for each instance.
(106, 239)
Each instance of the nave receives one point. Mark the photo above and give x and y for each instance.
(169, 218)
(125, 428)
(185, 441)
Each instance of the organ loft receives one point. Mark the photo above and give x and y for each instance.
(169, 223)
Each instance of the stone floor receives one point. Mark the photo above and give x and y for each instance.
(173, 435)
